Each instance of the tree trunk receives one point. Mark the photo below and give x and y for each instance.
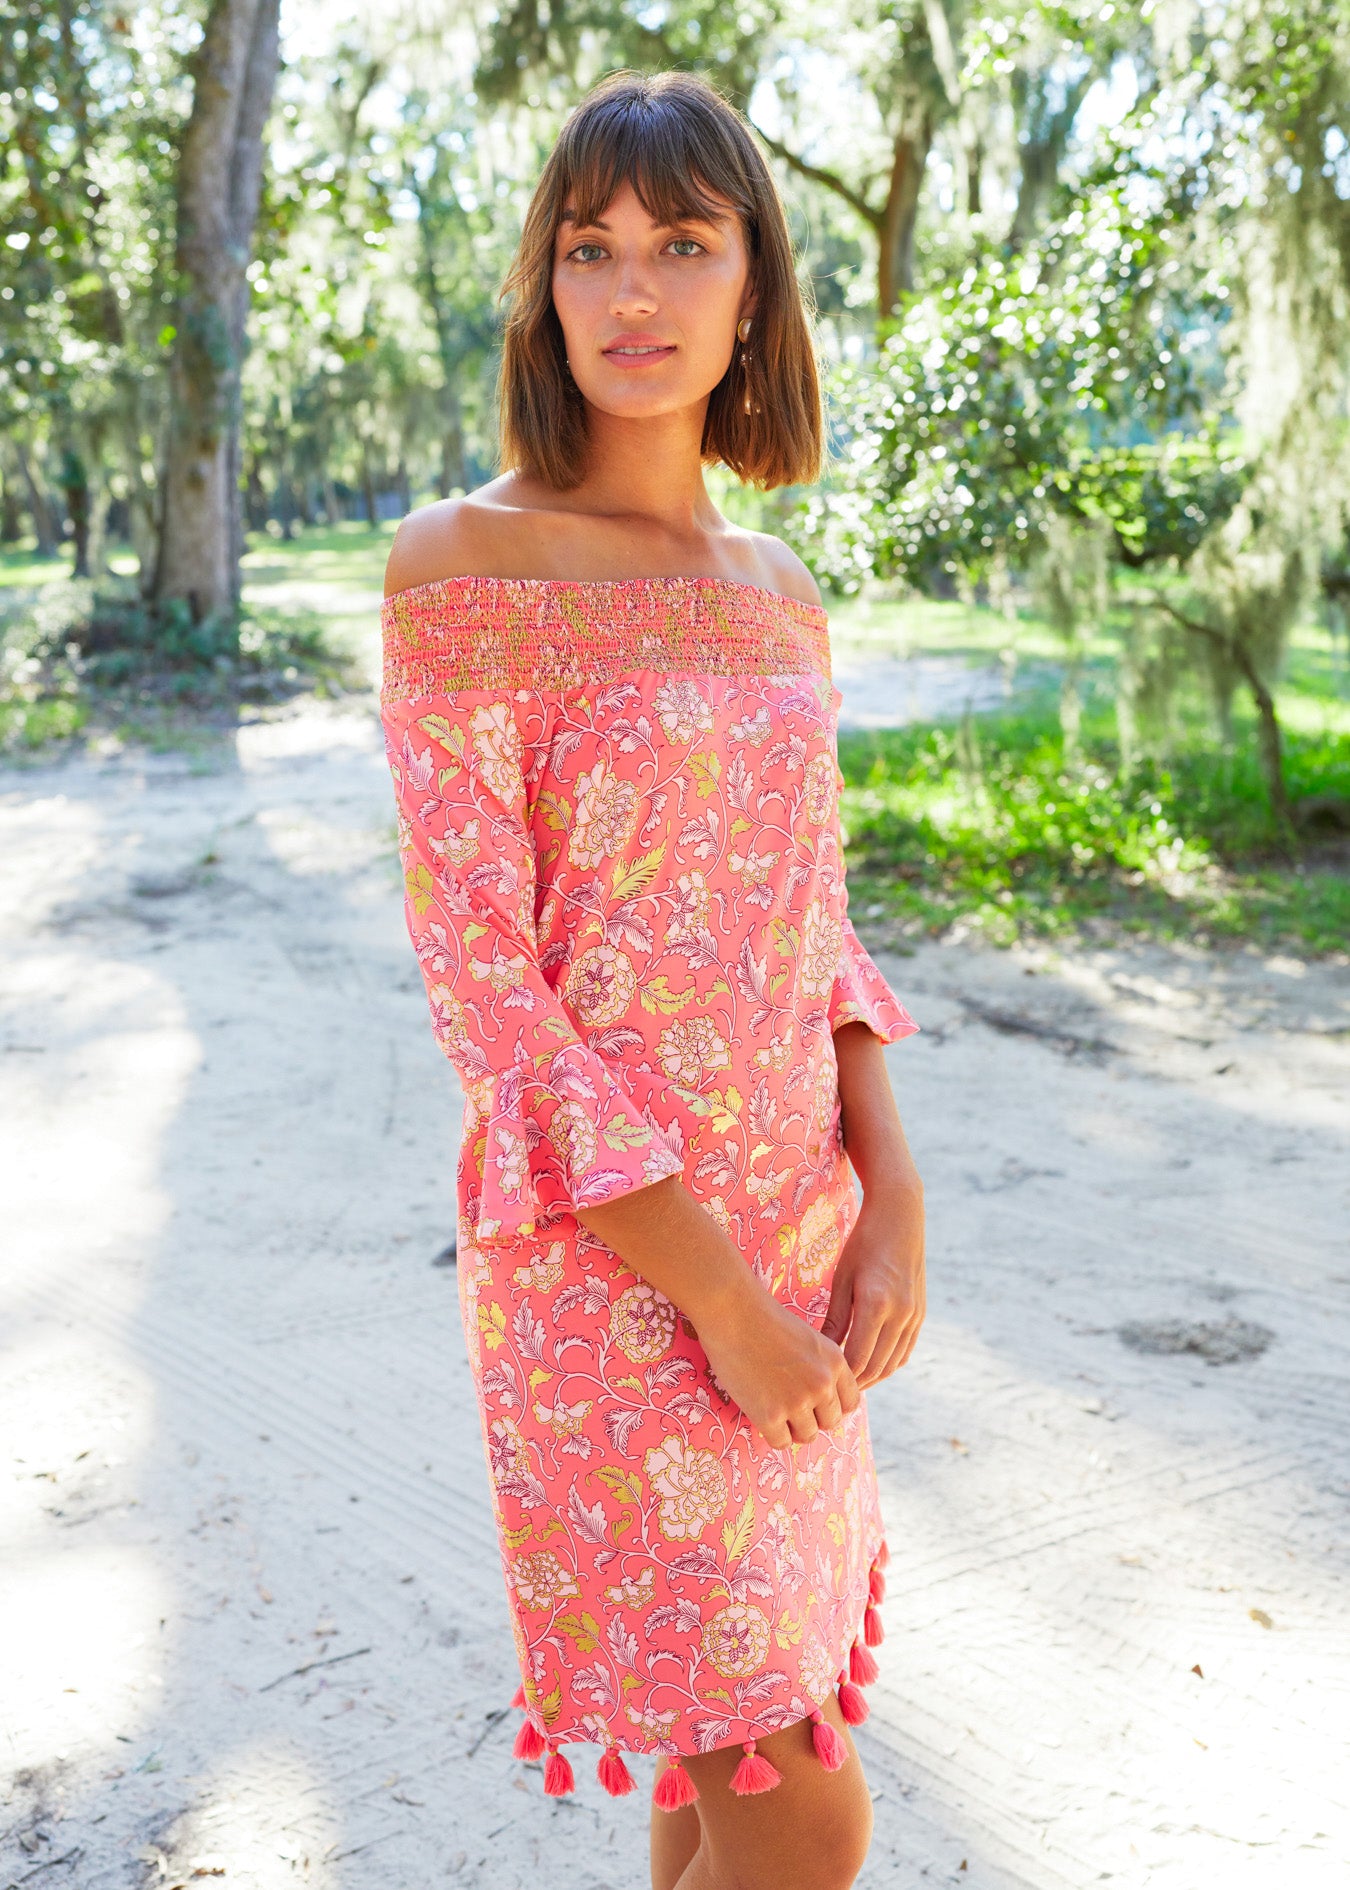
(1041, 149)
(219, 183)
(11, 518)
(46, 525)
(895, 231)
(142, 505)
(133, 445)
(1272, 750)
(450, 345)
(255, 499)
(99, 510)
(974, 176)
(75, 485)
(454, 475)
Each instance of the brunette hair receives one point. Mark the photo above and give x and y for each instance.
(676, 141)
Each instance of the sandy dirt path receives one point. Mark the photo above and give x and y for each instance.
(252, 1612)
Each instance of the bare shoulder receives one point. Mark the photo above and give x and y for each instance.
(786, 571)
(475, 536)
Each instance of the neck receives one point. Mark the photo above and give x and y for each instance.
(649, 469)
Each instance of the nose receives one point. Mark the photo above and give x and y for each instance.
(633, 290)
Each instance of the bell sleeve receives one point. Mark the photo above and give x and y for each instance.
(861, 995)
(549, 1124)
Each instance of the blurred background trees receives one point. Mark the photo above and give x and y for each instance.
(1082, 273)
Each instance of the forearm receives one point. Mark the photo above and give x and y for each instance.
(874, 1139)
(664, 1234)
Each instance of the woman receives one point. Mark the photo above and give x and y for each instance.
(612, 732)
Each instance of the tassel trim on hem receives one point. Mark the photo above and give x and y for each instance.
(754, 1773)
(675, 1789)
(558, 1777)
(613, 1774)
(829, 1747)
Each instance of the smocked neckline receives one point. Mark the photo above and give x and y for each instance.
(611, 585)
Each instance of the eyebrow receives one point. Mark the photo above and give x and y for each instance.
(710, 217)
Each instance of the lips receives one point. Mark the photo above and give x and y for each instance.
(635, 351)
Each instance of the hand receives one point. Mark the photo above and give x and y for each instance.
(790, 1382)
(878, 1297)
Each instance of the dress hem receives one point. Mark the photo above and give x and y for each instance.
(857, 1669)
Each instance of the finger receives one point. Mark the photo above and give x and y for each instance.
(903, 1348)
(882, 1348)
(862, 1336)
(835, 1323)
(893, 1362)
(803, 1427)
(849, 1392)
(829, 1412)
(913, 1330)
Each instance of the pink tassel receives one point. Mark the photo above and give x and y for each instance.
(558, 1777)
(852, 1704)
(876, 1585)
(874, 1631)
(530, 1742)
(613, 1774)
(754, 1773)
(830, 1748)
(862, 1668)
(674, 1789)
(518, 1697)
(883, 1556)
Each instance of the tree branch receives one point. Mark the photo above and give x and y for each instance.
(829, 179)
(1272, 756)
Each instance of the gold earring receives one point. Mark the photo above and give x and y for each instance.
(743, 335)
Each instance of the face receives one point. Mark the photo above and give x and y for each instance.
(649, 312)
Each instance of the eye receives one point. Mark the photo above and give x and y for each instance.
(585, 253)
(686, 246)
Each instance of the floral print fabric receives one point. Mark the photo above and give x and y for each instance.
(618, 818)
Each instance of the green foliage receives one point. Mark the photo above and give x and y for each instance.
(1020, 388)
(992, 828)
(88, 119)
(72, 651)
(1160, 497)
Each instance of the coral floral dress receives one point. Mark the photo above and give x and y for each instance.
(618, 817)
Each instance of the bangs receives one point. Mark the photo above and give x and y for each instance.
(663, 152)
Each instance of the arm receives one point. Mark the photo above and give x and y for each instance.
(787, 1378)
(552, 1124)
(878, 1296)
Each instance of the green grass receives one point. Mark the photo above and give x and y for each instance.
(348, 555)
(335, 573)
(985, 827)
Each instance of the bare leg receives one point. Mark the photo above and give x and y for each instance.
(675, 1839)
(811, 1832)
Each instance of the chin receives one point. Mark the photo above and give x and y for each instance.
(642, 403)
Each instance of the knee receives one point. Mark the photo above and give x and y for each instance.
(834, 1848)
(811, 1847)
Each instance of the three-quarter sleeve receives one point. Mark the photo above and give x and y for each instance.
(862, 995)
(552, 1127)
